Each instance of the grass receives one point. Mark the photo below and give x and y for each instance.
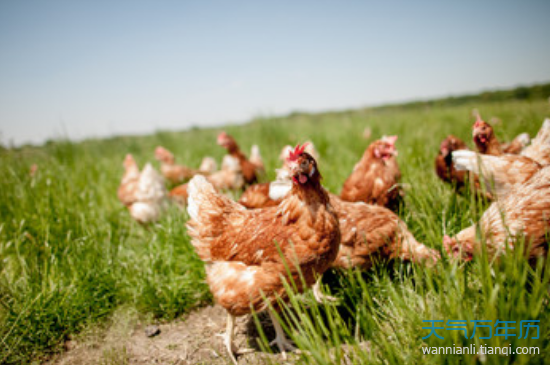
(70, 255)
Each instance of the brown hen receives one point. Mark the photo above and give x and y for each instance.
(375, 177)
(444, 166)
(249, 169)
(143, 193)
(245, 269)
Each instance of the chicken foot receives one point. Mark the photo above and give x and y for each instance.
(228, 338)
(280, 338)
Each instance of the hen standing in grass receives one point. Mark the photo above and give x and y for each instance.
(246, 251)
(144, 194)
(444, 166)
(375, 177)
(249, 169)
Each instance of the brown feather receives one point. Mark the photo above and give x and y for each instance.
(244, 242)
(524, 213)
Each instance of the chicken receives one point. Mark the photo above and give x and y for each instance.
(230, 177)
(501, 173)
(247, 167)
(444, 166)
(522, 214)
(249, 254)
(485, 139)
(144, 194)
(375, 177)
(170, 170)
(487, 143)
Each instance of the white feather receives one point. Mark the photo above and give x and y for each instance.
(151, 186)
(194, 195)
(279, 189)
(524, 139)
(230, 163)
(465, 160)
(145, 212)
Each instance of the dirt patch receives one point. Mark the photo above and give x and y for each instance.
(192, 340)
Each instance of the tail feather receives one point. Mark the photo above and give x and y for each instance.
(524, 139)
(207, 209)
(279, 189)
(204, 202)
(539, 150)
(478, 163)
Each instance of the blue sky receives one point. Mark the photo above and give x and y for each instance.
(98, 68)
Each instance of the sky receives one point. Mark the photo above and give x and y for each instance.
(82, 69)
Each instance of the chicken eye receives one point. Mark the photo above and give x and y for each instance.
(304, 164)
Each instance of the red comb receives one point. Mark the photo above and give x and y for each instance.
(293, 155)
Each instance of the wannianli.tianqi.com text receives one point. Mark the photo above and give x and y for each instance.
(480, 350)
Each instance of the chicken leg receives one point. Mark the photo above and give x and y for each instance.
(318, 294)
(280, 338)
(228, 337)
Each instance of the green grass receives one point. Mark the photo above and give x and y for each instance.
(70, 255)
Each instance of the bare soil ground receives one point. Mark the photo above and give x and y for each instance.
(191, 340)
